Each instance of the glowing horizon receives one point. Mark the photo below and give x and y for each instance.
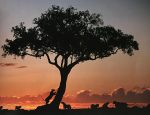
(82, 99)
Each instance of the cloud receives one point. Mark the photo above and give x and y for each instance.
(21, 67)
(85, 96)
(27, 99)
(12, 65)
(141, 97)
(118, 94)
(7, 64)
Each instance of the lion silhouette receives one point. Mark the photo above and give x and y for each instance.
(120, 105)
(18, 108)
(105, 105)
(1, 107)
(66, 106)
(94, 106)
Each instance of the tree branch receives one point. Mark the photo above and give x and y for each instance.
(62, 60)
(53, 63)
(75, 62)
(56, 61)
(81, 59)
(66, 62)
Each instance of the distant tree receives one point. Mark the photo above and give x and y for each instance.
(71, 36)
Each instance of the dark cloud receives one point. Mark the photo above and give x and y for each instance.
(11, 65)
(86, 96)
(20, 67)
(138, 97)
(118, 94)
(7, 64)
(27, 99)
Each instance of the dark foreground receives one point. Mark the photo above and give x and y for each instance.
(110, 111)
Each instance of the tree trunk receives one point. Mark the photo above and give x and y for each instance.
(61, 90)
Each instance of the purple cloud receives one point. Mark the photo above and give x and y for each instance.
(86, 96)
(119, 94)
(7, 64)
(21, 67)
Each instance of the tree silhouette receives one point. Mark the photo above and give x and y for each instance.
(71, 36)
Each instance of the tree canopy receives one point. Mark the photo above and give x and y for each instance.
(71, 34)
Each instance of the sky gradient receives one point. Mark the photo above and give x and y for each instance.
(35, 76)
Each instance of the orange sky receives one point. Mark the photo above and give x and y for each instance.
(36, 76)
(100, 76)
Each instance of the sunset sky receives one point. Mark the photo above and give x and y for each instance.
(35, 76)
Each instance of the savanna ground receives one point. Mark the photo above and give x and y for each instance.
(110, 111)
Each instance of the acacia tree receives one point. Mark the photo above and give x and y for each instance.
(72, 37)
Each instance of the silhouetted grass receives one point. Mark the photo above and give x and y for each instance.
(110, 111)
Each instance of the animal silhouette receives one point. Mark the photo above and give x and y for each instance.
(66, 106)
(1, 107)
(52, 93)
(17, 107)
(94, 106)
(105, 105)
(120, 105)
(148, 106)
